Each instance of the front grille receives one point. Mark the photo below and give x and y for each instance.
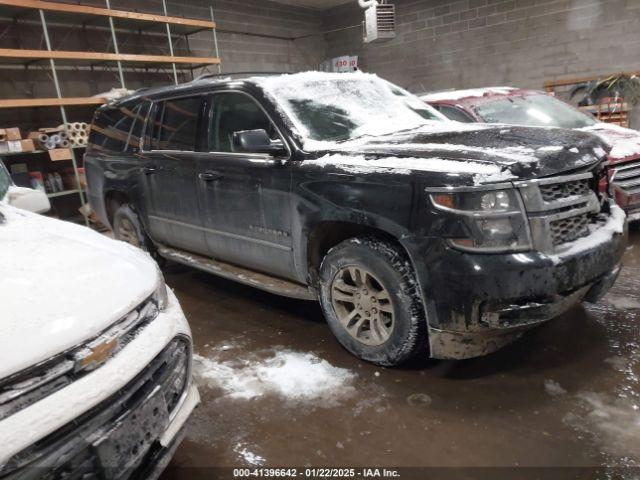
(35, 383)
(569, 229)
(559, 191)
(560, 209)
(72, 452)
(627, 177)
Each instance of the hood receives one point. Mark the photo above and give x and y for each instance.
(514, 152)
(625, 142)
(61, 284)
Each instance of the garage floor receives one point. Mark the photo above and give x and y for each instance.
(277, 389)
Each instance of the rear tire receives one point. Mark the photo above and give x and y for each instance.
(128, 228)
(370, 298)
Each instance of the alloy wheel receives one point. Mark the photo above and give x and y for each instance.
(363, 305)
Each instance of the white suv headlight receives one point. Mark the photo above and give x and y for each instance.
(160, 296)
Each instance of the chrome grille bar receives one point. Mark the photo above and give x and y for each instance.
(552, 205)
(627, 177)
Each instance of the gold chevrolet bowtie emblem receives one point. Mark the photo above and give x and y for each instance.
(96, 355)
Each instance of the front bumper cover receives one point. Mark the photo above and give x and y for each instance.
(476, 304)
(460, 345)
(30, 427)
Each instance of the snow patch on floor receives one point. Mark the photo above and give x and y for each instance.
(622, 302)
(295, 376)
(248, 456)
(615, 420)
(553, 388)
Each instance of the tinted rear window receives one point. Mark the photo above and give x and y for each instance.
(118, 129)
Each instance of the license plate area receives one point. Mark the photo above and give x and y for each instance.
(122, 448)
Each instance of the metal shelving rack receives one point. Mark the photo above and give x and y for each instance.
(127, 20)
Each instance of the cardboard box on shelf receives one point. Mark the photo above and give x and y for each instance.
(69, 179)
(50, 130)
(60, 154)
(10, 134)
(17, 146)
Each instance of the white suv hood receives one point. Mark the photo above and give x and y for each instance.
(61, 284)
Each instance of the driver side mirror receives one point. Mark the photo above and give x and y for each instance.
(256, 141)
(28, 199)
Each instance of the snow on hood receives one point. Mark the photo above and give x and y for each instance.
(460, 94)
(488, 153)
(361, 122)
(358, 164)
(625, 142)
(61, 284)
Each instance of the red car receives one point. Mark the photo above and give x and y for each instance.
(515, 106)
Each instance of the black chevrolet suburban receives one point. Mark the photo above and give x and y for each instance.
(412, 231)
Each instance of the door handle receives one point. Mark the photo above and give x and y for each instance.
(149, 170)
(209, 176)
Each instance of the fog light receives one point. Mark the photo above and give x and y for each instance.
(493, 227)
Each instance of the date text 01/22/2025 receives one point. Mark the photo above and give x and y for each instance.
(315, 473)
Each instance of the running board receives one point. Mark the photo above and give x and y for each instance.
(239, 274)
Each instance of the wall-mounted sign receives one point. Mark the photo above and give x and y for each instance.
(345, 63)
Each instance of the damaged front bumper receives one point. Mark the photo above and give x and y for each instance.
(478, 303)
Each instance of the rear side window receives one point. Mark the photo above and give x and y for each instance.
(111, 128)
(176, 124)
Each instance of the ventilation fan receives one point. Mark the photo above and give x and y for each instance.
(379, 20)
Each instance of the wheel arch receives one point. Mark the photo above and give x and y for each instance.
(114, 199)
(329, 233)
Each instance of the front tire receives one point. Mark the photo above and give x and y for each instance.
(369, 296)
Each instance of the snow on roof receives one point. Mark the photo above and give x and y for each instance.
(460, 94)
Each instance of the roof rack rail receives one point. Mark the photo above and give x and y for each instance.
(237, 74)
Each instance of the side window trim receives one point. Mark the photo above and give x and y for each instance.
(135, 111)
(207, 134)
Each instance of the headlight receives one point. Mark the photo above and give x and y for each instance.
(493, 221)
(495, 201)
(160, 296)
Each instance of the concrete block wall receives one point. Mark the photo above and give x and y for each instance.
(471, 43)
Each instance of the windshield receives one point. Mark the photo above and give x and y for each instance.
(5, 180)
(336, 107)
(534, 110)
